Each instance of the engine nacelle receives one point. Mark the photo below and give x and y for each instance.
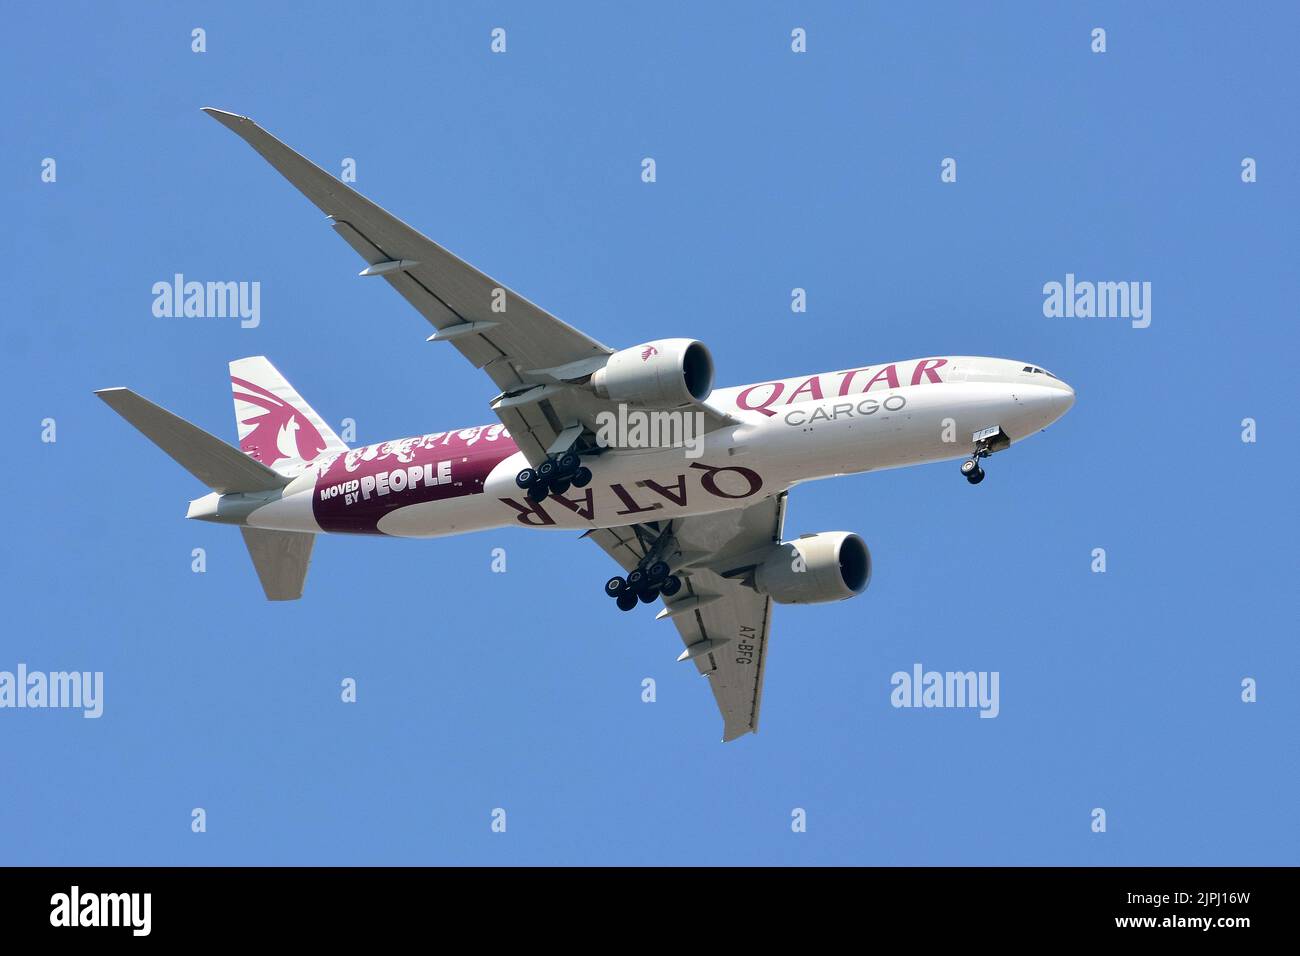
(815, 568)
(663, 374)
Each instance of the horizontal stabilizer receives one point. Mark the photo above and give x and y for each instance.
(281, 559)
(221, 467)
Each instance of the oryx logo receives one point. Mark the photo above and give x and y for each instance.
(648, 353)
(280, 431)
(75, 908)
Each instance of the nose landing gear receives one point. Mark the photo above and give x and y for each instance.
(971, 470)
(987, 441)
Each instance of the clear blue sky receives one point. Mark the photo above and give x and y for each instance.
(523, 690)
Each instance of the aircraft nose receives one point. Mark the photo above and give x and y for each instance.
(1060, 399)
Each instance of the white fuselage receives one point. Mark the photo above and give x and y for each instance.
(789, 431)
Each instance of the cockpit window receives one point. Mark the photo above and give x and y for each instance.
(1039, 371)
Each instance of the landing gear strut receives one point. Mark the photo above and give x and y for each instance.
(554, 476)
(987, 441)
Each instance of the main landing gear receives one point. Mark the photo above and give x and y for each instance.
(642, 584)
(554, 476)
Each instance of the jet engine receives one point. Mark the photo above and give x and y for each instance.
(664, 374)
(815, 568)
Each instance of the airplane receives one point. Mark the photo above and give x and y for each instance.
(697, 525)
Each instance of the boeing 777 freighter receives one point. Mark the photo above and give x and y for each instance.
(696, 521)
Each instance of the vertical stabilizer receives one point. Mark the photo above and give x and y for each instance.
(276, 427)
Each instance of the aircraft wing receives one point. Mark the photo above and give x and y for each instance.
(723, 621)
(532, 356)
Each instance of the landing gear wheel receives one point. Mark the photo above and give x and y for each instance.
(538, 492)
(582, 477)
(969, 467)
(546, 469)
(559, 486)
(525, 478)
(671, 586)
(615, 586)
(976, 476)
(635, 579)
(568, 464)
(656, 573)
(626, 601)
(647, 595)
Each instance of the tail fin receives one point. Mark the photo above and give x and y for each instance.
(219, 466)
(281, 559)
(276, 427)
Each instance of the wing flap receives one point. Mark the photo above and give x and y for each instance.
(738, 624)
(725, 613)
